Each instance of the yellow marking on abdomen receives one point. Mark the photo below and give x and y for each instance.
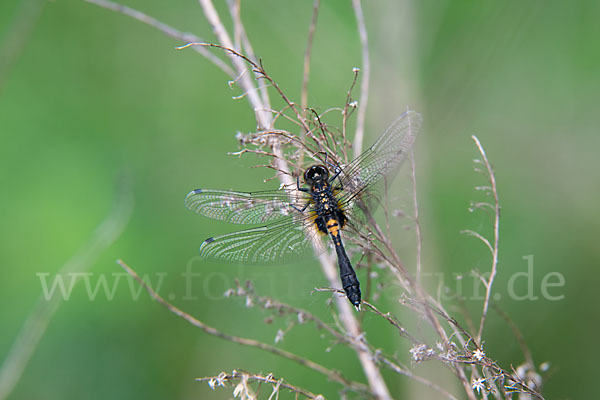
(333, 227)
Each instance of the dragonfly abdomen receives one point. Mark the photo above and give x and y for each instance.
(347, 275)
(350, 283)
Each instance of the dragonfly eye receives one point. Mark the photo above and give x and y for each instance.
(316, 173)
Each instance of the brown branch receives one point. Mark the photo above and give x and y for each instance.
(331, 374)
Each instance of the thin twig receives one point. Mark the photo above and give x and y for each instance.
(480, 237)
(258, 69)
(488, 288)
(349, 107)
(211, 14)
(235, 7)
(416, 216)
(166, 29)
(380, 357)
(376, 382)
(404, 371)
(392, 320)
(222, 378)
(332, 375)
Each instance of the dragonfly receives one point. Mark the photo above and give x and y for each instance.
(294, 222)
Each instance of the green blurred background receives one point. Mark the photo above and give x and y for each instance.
(86, 94)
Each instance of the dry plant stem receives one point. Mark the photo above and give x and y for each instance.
(246, 83)
(414, 286)
(399, 270)
(408, 282)
(282, 308)
(263, 118)
(346, 112)
(358, 344)
(279, 306)
(269, 379)
(416, 217)
(166, 29)
(280, 113)
(458, 370)
(393, 321)
(488, 286)
(35, 326)
(235, 10)
(325, 139)
(348, 319)
(251, 94)
(386, 361)
(332, 375)
(405, 371)
(364, 84)
(291, 138)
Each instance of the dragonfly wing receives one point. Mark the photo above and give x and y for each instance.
(282, 241)
(245, 208)
(362, 180)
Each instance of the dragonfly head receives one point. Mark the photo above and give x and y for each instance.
(316, 173)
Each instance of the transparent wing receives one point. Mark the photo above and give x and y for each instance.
(285, 240)
(364, 179)
(246, 208)
(288, 233)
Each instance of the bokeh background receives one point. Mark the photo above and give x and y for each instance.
(94, 105)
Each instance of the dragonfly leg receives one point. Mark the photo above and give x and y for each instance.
(298, 185)
(300, 209)
(338, 171)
